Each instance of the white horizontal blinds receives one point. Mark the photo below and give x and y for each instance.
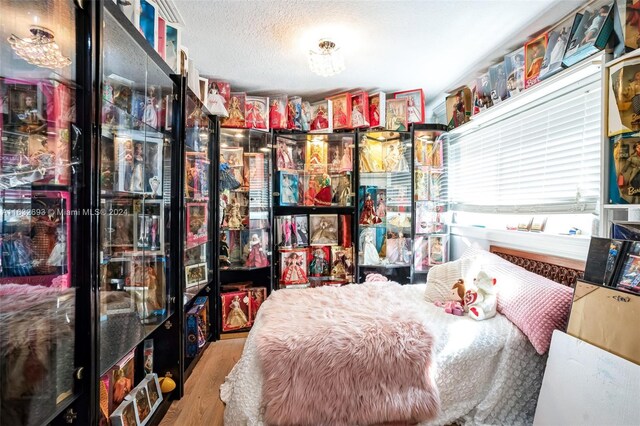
(542, 158)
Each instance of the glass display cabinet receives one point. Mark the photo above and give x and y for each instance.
(135, 290)
(431, 237)
(41, 172)
(244, 221)
(314, 209)
(385, 205)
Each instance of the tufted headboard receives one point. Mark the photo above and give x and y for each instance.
(559, 269)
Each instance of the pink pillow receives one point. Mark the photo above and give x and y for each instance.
(536, 305)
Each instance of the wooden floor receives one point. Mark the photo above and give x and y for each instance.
(201, 404)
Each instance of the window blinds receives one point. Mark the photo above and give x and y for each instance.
(541, 158)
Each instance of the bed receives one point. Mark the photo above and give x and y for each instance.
(484, 372)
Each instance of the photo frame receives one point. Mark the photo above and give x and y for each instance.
(415, 104)
(197, 224)
(323, 229)
(397, 114)
(196, 274)
(125, 414)
(321, 117)
(257, 112)
(289, 190)
(341, 105)
(293, 267)
(534, 52)
(140, 396)
(154, 391)
(278, 112)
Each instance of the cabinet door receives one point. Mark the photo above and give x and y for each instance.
(39, 168)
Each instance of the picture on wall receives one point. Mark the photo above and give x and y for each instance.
(415, 104)
(514, 70)
(624, 97)
(559, 37)
(534, 52)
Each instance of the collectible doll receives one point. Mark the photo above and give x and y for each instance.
(121, 386)
(293, 271)
(257, 258)
(342, 196)
(632, 94)
(366, 165)
(59, 253)
(381, 209)
(370, 254)
(320, 121)
(255, 116)
(325, 234)
(319, 266)
(315, 159)
(216, 102)
(374, 111)
(537, 57)
(395, 161)
(305, 116)
(404, 254)
(224, 251)
(235, 119)
(368, 215)
(335, 159)
(339, 116)
(150, 112)
(43, 242)
(289, 190)
(413, 113)
(346, 163)
(323, 197)
(286, 233)
(357, 117)
(435, 251)
(291, 115)
(339, 267)
(301, 233)
(233, 215)
(298, 157)
(284, 160)
(137, 176)
(310, 193)
(227, 180)
(275, 116)
(153, 232)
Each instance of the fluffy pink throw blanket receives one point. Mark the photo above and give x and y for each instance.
(344, 356)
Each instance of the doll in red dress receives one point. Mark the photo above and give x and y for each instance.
(257, 258)
(374, 111)
(339, 116)
(320, 121)
(323, 197)
(368, 215)
(310, 193)
(291, 114)
(275, 117)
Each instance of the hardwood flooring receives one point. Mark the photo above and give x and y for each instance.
(201, 404)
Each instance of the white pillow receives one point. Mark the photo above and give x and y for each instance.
(441, 279)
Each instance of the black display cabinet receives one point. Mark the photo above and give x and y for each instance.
(314, 208)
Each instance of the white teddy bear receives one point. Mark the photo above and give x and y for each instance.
(481, 302)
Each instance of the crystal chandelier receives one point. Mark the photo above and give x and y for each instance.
(39, 49)
(328, 60)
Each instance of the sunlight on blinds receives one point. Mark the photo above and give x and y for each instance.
(543, 158)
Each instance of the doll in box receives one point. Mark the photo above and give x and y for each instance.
(320, 121)
(215, 101)
(319, 266)
(257, 258)
(357, 116)
(293, 273)
(275, 116)
(368, 248)
(236, 116)
(368, 215)
(233, 215)
(236, 318)
(121, 386)
(381, 208)
(323, 197)
(227, 180)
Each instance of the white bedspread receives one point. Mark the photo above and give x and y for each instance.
(487, 371)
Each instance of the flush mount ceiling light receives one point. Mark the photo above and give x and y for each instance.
(326, 61)
(39, 49)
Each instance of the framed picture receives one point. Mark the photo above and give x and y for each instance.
(320, 262)
(141, 402)
(294, 113)
(438, 250)
(514, 69)
(415, 104)
(498, 81)
(172, 41)
(534, 52)
(397, 115)
(278, 112)
(293, 267)
(197, 224)
(341, 110)
(301, 230)
(289, 195)
(154, 391)
(395, 157)
(321, 117)
(196, 274)
(256, 109)
(458, 107)
(148, 226)
(235, 310)
(557, 42)
(125, 414)
(377, 109)
(323, 229)
(237, 110)
(139, 165)
(371, 160)
(592, 32)
(197, 176)
(359, 110)
(285, 231)
(316, 153)
(217, 100)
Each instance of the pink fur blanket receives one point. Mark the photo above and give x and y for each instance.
(344, 356)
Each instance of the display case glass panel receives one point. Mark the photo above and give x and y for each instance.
(40, 147)
(245, 199)
(135, 193)
(198, 243)
(385, 205)
(430, 193)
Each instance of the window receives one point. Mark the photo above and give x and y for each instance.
(542, 158)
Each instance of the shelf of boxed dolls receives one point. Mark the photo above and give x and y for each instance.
(387, 265)
(137, 130)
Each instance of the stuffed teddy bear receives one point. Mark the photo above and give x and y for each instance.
(481, 303)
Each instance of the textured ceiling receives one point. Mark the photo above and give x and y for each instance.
(261, 46)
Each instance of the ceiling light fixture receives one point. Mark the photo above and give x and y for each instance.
(328, 60)
(39, 49)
